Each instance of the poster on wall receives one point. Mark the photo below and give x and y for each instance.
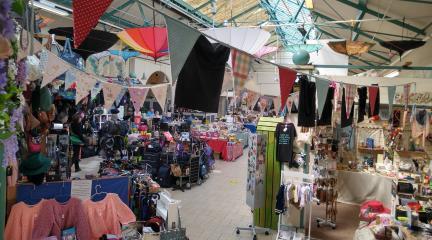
(255, 189)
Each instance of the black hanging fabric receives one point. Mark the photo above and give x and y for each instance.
(345, 122)
(362, 93)
(307, 108)
(200, 81)
(377, 105)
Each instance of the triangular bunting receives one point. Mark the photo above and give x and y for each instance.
(241, 63)
(53, 68)
(322, 87)
(406, 93)
(391, 92)
(350, 92)
(160, 93)
(24, 51)
(85, 83)
(373, 93)
(86, 15)
(181, 40)
(110, 92)
(95, 90)
(295, 97)
(69, 79)
(138, 97)
(289, 103)
(287, 78)
(277, 104)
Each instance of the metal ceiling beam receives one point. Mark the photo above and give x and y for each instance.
(188, 10)
(380, 15)
(141, 9)
(298, 11)
(360, 15)
(241, 14)
(383, 67)
(119, 8)
(203, 5)
(418, 1)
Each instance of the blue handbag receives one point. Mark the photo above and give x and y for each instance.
(69, 56)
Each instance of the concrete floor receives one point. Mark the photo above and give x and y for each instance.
(214, 209)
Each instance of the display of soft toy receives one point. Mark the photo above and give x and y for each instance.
(369, 210)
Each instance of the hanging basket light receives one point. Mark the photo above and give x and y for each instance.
(350, 48)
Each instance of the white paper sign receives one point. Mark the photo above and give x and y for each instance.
(81, 189)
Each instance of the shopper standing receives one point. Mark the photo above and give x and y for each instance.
(77, 139)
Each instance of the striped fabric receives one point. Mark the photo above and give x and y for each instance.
(350, 93)
(241, 63)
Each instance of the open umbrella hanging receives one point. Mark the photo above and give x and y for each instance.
(151, 41)
(97, 40)
(402, 45)
(350, 48)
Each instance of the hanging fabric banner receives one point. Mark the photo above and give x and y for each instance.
(406, 93)
(337, 94)
(350, 93)
(54, 67)
(86, 15)
(289, 103)
(277, 104)
(95, 90)
(373, 93)
(138, 97)
(241, 63)
(181, 39)
(85, 83)
(287, 78)
(322, 87)
(69, 79)
(160, 93)
(110, 92)
(391, 91)
(295, 98)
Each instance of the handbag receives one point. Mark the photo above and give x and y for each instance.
(176, 233)
(34, 144)
(69, 56)
(176, 170)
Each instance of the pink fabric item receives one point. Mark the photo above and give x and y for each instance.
(106, 215)
(65, 215)
(265, 50)
(22, 219)
(350, 93)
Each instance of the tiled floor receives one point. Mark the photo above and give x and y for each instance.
(213, 210)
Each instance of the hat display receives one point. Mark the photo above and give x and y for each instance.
(35, 164)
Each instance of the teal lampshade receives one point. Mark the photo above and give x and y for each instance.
(301, 57)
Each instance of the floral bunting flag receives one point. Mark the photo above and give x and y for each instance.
(69, 79)
(53, 68)
(110, 92)
(350, 93)
(289, 103)
(138, 97)
(295, 97)
(95, 90)
(277, 104)
(160, 93)
(406, 93)
(85, 83)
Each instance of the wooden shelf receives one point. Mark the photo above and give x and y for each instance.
(370, 150)
(414, 154)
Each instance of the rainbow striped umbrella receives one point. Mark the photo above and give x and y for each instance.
(151, 41)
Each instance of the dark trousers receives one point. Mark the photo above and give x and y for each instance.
(76, 156)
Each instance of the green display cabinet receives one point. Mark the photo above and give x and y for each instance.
(265, 216)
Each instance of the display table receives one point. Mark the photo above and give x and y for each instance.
(228, 153)
(357, 187)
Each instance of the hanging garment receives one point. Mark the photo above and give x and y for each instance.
(377, 105)
(345, 122)
(106, 215)
(420, 126)
(285, 136)
(307, 108)
(280, 201)
(326, 116)
(22, 219)
(200, 81)
(65, 215)
(362, 94)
